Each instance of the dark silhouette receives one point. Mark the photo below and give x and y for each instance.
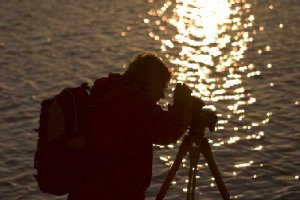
(126, 121)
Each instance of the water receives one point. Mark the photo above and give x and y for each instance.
(240, 56)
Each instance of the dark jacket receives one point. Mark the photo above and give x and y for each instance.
(126, 122)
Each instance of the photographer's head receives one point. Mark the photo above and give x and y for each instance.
(148, 70)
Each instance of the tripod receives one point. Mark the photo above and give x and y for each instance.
(194, 143)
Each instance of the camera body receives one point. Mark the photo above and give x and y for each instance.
(202, 118)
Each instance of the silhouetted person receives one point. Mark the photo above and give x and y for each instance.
(126, 122)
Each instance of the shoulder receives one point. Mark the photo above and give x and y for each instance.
(132, 97)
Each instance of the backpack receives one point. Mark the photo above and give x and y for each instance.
(61, 155)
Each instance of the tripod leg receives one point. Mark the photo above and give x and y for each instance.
(194, 158)
(183, 149)
(206, 151)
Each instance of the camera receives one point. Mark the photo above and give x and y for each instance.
(202, 118)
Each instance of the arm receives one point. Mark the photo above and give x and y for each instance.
(168, 126)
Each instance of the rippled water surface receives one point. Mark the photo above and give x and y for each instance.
(240, 56)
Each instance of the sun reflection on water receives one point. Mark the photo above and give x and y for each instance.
(206, 42)
(203, 30)
(205, 47)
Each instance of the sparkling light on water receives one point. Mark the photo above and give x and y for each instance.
(206, 43)
(203, 30)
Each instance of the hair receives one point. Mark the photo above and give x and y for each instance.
(147, 65)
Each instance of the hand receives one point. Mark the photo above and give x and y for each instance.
(182, 95)
(183, 98)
